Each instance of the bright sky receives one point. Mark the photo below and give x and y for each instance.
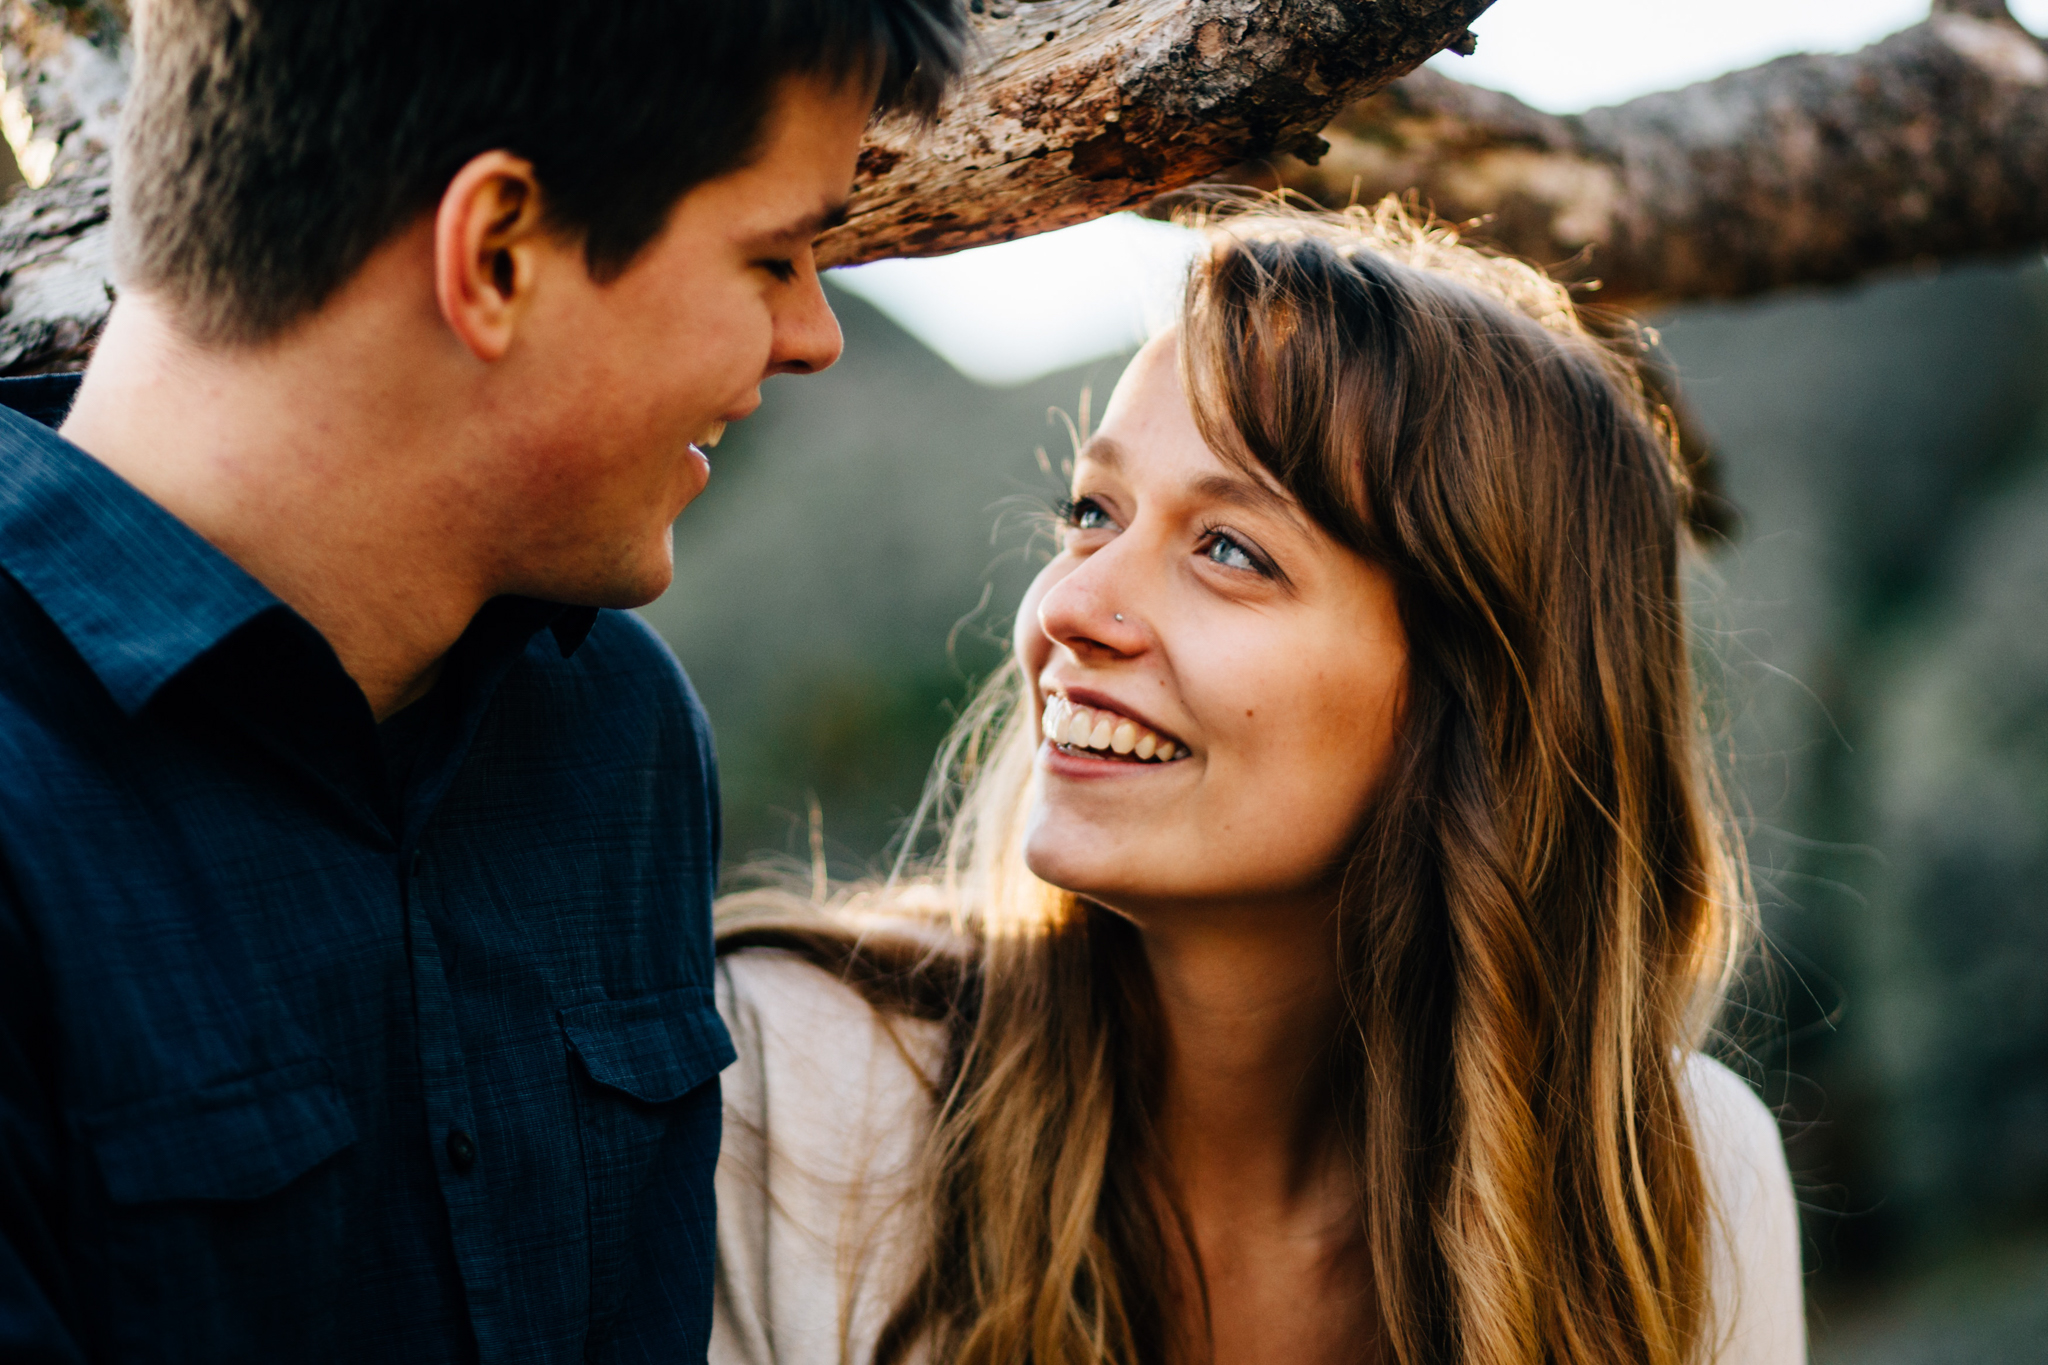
(1006, 314)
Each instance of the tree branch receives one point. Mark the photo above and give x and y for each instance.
(1929, 145)
(1078, 108)
(1808, 170)
(65, 64)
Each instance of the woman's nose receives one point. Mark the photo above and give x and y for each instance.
(1093, 610)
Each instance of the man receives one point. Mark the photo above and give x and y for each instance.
(355, 868)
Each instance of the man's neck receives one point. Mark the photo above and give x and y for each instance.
(314, 463)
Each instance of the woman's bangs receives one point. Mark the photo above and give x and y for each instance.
(1281, 355)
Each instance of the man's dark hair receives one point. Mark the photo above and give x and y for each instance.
(271, 145)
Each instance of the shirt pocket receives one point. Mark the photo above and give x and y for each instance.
(648, 1096)
(654, 1048)
(240, 1139)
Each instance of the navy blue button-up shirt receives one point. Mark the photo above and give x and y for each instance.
(302, 1059)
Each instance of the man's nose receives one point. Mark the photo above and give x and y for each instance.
(806, 334)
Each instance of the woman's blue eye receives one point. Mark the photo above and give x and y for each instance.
(1087, 515)
(1231, 555)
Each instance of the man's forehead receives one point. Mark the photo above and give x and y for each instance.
(757, 205)
(795, 186)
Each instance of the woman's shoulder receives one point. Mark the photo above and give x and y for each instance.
(815, 1056)
(788, 1011)
(826, 1111)
(773, 986)
(1754, 1261)
(1725, 1105)
(1737, 1135)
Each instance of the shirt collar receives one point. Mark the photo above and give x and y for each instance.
(139, 594)
(571, 626)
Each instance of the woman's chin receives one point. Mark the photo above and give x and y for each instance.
(1071, 864)
(1086, 861)
(1054, 869)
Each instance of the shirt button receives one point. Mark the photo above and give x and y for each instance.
(461, 1149)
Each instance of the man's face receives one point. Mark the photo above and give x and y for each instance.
(628, 382)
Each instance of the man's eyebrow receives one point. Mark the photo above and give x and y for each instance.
(818, 222)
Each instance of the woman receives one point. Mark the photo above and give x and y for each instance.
(1335, 899)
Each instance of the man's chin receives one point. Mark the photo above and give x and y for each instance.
(635, 592)
(621, 588)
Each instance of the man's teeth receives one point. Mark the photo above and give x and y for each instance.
(1081, 727)
(713, 434)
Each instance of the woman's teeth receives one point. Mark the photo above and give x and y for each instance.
(1080, 727)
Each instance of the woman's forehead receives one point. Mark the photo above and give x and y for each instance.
(1195, 474)
(1151, 374)
(1149, 432)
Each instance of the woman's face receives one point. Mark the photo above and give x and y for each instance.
(1196, 611)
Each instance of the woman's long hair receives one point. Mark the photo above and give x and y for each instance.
(1534, 928)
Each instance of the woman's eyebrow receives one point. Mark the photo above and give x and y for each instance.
(1256, 497)
(1100, 450)
(1233, 489)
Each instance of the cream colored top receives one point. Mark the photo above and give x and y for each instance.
(817, 1220)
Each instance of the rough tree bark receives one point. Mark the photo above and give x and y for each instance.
(65, 68)
(1932, 144)
(1078, 108)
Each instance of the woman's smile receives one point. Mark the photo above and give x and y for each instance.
(1103, 731)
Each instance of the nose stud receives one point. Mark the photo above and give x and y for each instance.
(1119, 616)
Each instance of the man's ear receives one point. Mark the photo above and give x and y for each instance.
(488, 238)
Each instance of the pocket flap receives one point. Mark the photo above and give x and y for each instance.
(654, 1047)
(239, 1139)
